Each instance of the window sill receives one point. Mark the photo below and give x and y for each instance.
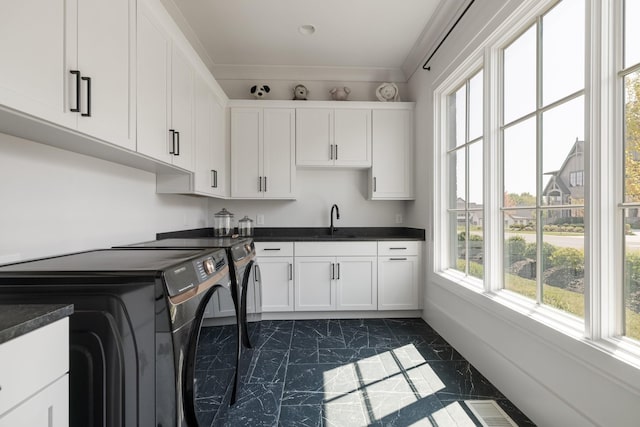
(516, 308)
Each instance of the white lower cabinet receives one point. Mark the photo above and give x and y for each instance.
(220, 306)
(275, 260)
(357, 283)
(315, 286)
(345, 281)
(340, 276)
(49, 408)
(398, 275)
(34, 378)
(276, 274)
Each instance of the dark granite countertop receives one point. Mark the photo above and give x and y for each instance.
(20, 319)
(312, 234)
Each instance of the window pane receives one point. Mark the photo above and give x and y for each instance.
(520, 76)
(476, 245)
(563, 153)
(632, 138)
(631, 33)
(563, 260)
(632, 274)
(475, 175)
(520, 164)
(563, 46)
(457, 179)
(520, 252)
(457, 117)
(475, 106)
(458, 239)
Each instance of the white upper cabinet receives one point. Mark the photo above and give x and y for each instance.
(333, 137)
(36, 84)
(181, 130)
(106, 41)
(391, 175)
(153, 87)
(210, 144)
(43, 41)
(165, 95)
(262, 153)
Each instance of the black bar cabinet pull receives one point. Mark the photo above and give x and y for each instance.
(336, 151)
(338, 264)
(290, 271)
(88, 113)
(271, 249)
(177, 153)
(77, 74)
(213, 178)
(396, 249)
(173, 141)
(333, 271)
(375, 184)
(397, 259)
(331, 152)
(265, 184)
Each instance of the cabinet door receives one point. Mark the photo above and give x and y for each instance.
(279, 172)
(398, 283)
(105, 53)
(182, 109)
(314, 284)
(204, 179)
(357, 283)
(47, 408)
(392, 170)
(246, 153)
(153, 87)
(276, 274)
(352, 138)
(34, 75)
(314, 137)
(220, 150)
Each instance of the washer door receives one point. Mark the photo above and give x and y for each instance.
(210, 374)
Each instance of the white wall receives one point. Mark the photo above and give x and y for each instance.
(555, 379)
(54, 201)
(317, 190)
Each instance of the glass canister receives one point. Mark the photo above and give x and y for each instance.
(222, 223)
(245, 226)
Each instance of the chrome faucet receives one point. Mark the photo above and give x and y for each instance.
(332, 228)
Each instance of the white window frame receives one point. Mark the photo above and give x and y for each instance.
(464, 147)
(603, 182)
(613, 322)
(603, 242)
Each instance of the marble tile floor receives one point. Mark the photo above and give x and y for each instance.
(355, 372)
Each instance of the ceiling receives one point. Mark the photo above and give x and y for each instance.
(392, 35)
